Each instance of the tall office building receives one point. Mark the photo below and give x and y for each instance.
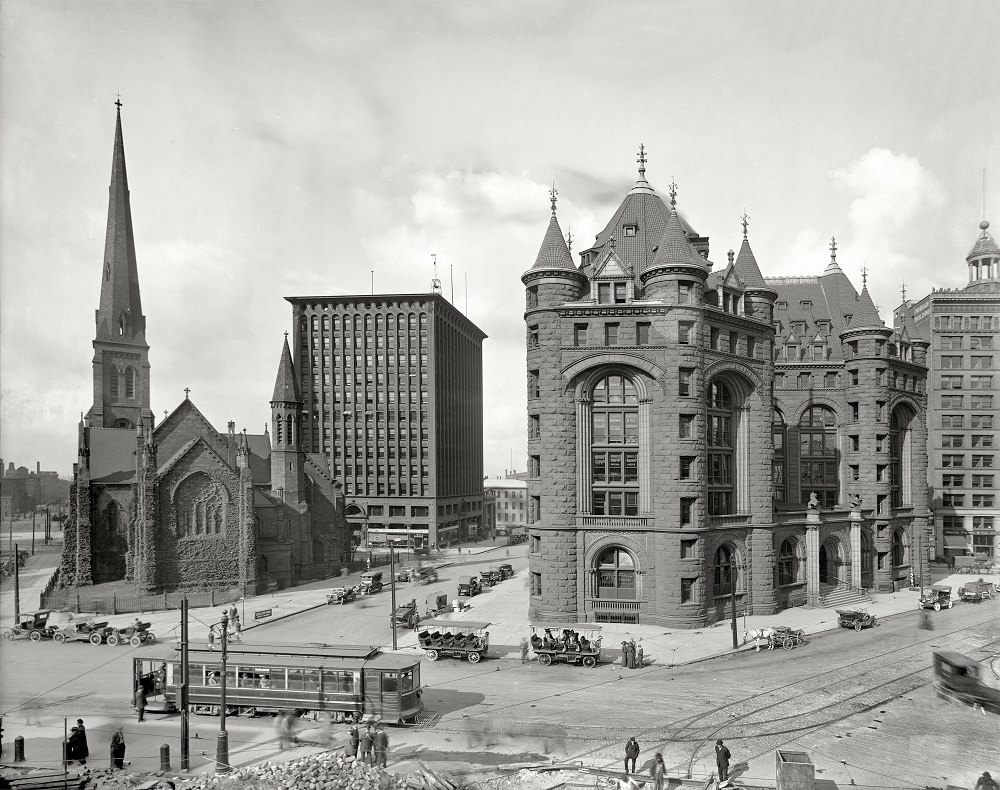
(392, 395)
(963, 326)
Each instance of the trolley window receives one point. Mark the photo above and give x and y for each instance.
(303, 679)
(406, 680)
(390, 682)
(196, 674)
(336, 681)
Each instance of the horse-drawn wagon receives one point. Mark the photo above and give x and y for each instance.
(573, 643)
(977, 591)
(458, 638)
(856, 619)
(775, 636)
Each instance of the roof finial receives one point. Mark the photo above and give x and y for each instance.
(553, 196)
(864, 276)
(833, 249)
(187, 391)
(745, 219)
(673, 192)
(569, 240)
(286, 336)
(118, 100)
(642, 161)
(903, 289)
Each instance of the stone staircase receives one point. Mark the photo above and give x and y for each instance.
(835, 596)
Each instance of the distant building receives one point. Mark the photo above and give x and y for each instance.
(963, 327)
(392, 391)
(511, 497)
(179, 504)
(22, 491)
(698, 431)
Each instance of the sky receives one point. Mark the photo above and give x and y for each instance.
(319, 148)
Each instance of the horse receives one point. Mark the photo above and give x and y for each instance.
(757, 634)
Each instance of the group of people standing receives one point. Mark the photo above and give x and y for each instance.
(77, 749)
(658, 769)
(368, 744)
(234, 629)
(632, 654)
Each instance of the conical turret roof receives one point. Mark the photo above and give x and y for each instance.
(554, 253)
(674, 248)
(865, 314)
(747, 268)
(286, 387)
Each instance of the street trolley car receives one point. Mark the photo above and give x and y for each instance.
(343, 680)
(959, 677)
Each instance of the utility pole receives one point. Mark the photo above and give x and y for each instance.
(392, 582)
(17, 589)
(33, 512)
(732, 595)
(185, 676)
(222, 765)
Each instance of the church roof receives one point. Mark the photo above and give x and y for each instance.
(112, 455)
(121, 305)
(286, 388)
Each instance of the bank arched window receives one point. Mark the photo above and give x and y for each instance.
(898, 548)
(614, 450)
(721, 444)
(616, 574)
(818, 455)
(899, 457)
(779, 434)
(722, 580)
(788, 563)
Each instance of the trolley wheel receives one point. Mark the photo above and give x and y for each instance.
(95, 639)
(937, 607)
(251, 711)
(35, 636)
(544, 659)
(8, 634)
(589, 662)
(59, 637)
(474, 657)
(135, 641)
(113, 640)
(432, 655)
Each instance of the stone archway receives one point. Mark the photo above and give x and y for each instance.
(832, 564)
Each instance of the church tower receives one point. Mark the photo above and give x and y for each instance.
(121, 356)
(287, 480)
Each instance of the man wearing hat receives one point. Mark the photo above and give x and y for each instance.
(722, 760)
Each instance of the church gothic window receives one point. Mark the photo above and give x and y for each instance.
(130, 382)
(200, 505)
(113, 383)
(778, 433)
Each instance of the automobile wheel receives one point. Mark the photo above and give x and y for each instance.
(589, 662)
(920, 605)
(874, 622)
(432, 655)
(474, 657)
(858, 626)
(150, 637)
(113, 640)
(135, 641)
(544, 659)
(95, 639)
(35, 636)
(952, 603)
(59, 637)
(937, 607)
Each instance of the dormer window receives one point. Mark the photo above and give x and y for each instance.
(781, 305)
(612, 293)
(805, 305)
(630, 230)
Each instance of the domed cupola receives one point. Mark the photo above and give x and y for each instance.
(553, 279)
(984, 261)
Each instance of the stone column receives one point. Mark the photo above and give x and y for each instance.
(856, 521)
(645, 449)
(583, 466)
(812, 559)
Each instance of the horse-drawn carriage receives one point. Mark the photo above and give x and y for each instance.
(776, 636)
(573, 643)
(34, 625)
(342, 595)
(856, 619)
(457, 638)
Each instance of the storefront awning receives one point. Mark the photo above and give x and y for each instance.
(955, 542)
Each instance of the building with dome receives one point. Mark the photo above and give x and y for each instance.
(699, 432)
(963, 327)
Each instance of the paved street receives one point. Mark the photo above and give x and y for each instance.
(861, 703)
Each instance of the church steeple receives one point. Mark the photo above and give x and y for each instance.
(121, 356)
(287, 480)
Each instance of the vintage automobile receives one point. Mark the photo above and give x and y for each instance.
(34, 625)
(87, 631)
(856, 619)
(456, 638)
(406, 615)
(936, 597)
(506, 571)
(371, 582)
(425, 574)
(977, 591)
(436, 603)
(135, 634)
(470, 587)
(404, 574)
(490, 577)
(574, 643)
(958, 677)
(342, 595)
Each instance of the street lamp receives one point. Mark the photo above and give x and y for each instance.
(222, 765)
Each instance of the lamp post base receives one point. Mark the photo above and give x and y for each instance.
(222, 765)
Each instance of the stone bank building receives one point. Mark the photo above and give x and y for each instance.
(697, 427)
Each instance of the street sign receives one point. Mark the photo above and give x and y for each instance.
(262, 614)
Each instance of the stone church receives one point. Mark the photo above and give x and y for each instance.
(699, 432)
(181, 505)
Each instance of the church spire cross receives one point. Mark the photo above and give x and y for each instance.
(673, 192)
(118, 100)
(553, 196)
(642, 160)
(833, 248)
(745, 220)
(903, 289)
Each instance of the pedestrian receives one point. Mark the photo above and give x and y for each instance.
(352, 749)
(987, 782)
(76, 750)
(631, 754)
(140, 702)
(658, 771)
(524, 650)
(631, 654)
(233, 614)
(237, 629)
(638, 655)
(624, 655)
(211, 638)
(925, 621)
(118, 749)
(83, 740)
(364, 744)
(722, 756)
(381, 745)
